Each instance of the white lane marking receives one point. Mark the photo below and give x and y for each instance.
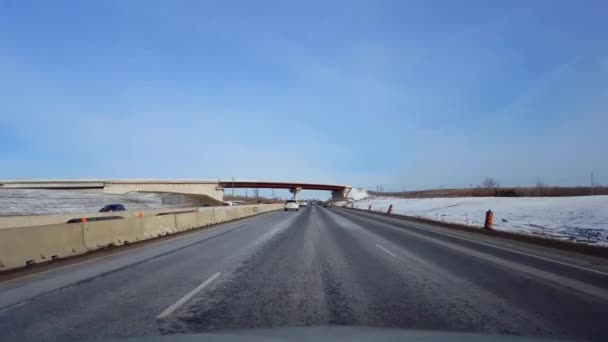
(552, 277)
(574, 284)
(386, 251)
(531, 255)
(434, 229)
(187, 297)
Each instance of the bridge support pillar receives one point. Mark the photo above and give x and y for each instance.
(295, 191)
(340, 194)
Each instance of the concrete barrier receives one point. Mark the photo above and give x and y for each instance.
(156, 226)
(39, 220)
(100, 234)
(220, 214)
(186, 221)
(248, 211)
(20, 246)
(205, 217)
(235, 213)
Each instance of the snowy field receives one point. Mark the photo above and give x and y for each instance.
(580, 219)
(33, 202)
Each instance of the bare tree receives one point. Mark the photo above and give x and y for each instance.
(490, 183)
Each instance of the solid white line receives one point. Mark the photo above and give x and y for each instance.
(435, 229)
(520, 267)
(524, 253)
(386, 251)
(187, 297)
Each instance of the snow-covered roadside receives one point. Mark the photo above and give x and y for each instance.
(581, 219)
(357, 194)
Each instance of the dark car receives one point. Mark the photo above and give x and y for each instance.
(112, 207)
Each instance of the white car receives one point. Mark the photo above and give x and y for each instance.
(303, 204)
(292, 205)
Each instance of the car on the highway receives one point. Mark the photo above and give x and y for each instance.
(292, 205)
(327, 205)
(112, 207)
(303, 204)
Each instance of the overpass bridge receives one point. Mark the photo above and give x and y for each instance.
(212, 188)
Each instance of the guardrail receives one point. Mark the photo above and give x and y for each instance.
(22, 246)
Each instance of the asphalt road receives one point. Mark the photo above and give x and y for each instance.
(313, 267)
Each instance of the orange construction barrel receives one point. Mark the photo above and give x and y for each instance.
(489, 219)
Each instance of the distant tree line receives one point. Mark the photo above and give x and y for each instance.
(490, 187)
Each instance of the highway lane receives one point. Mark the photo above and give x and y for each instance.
(313, 267)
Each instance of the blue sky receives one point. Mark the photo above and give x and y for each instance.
(408, 94)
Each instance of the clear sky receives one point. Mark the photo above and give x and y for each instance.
(408, 94)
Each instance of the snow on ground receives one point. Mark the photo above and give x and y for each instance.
(33, 201)
(581, 219)
(357, 194)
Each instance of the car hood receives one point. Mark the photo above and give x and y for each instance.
(333, 333)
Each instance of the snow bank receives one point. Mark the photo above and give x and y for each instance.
(357, 194)
(581, 219)
(34, 201)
